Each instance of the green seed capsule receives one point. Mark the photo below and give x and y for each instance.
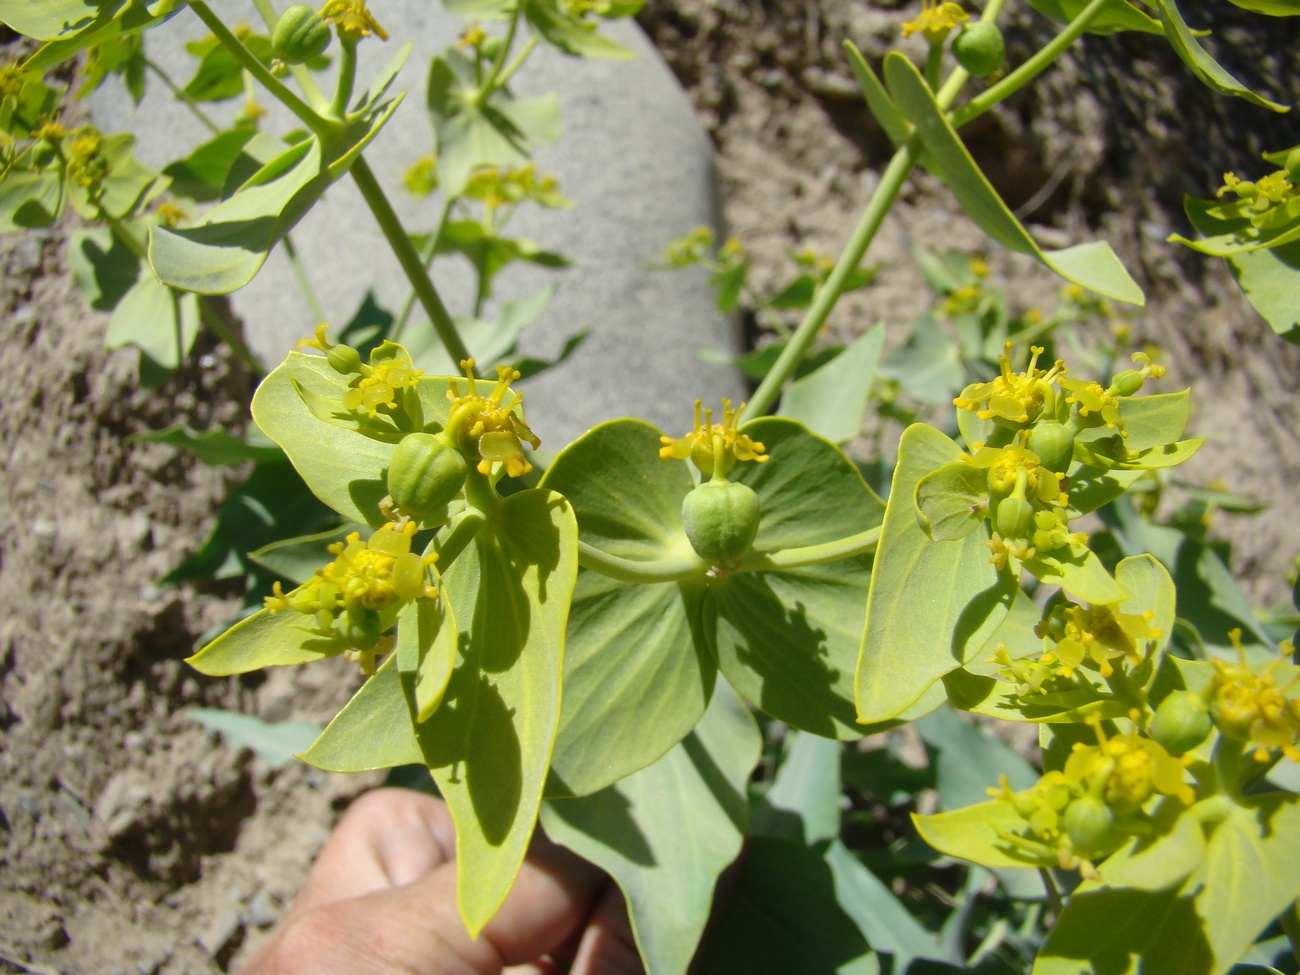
(44, 152)
(300, 35)
(490, 48)
(721, 520)
(425, 474)
(1090, 825)
(1181, 722)
(1015, 518)
(979, 48)
(1292, 166)
(344, 359)
(1054, 445)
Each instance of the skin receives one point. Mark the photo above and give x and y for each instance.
(381, 900)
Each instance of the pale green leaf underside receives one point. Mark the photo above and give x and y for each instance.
(374, 729)
(264, 640)
(666, 833)
(832, 400)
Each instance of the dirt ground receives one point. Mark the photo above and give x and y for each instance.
(133, 841)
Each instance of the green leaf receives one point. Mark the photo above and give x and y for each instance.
(1083, 576)
(1162, 859)
(1114, 17)
(263, 640)
(975, 832)
(1249, 874)
(951, 501)
(221, 165)
(344, 468)
(882, 107)
(637, 673)
(570, 34)
(103, 266)
(1209, 71)
(833, 400)
(804, 801)
(374, 730)
(275, 743)
(297, 559)
(666, 833)
(888, 925)
(158, 321)
(29, 200)
(969, 760)
(788, 641)
(426, 651)
(48, 19)
(928, 365)
(220, 75)
(113, 21)
(932, 605)
(214, 447)
(1270, 8)
(489, 743)
(1093, 266)
(786, 915)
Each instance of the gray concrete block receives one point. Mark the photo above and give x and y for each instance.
(632, 157)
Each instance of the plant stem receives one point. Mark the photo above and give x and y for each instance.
(499, 61)
(460, 532)
(794, 558)
(631, 570)
(891, 182)
(321, 127)
(508, 71)
(1053, 893)
(304, 283)
(1227, 765)
(409, 258)
(179, 94)
(347, 79)
(427, 259)
(934, 63)
(1031, 69)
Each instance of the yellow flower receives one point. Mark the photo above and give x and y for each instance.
(1014, 398)
(1249, 704)
(87, 166)
(711, 443)
(352, 20)
(1129, 769)
(935, 20)
(487, 429)
(1091, 398)
(1097, 634)
(365, 578)
(380, 385)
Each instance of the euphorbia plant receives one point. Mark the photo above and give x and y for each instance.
(589, 649)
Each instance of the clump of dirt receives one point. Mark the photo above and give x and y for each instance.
(133, 841)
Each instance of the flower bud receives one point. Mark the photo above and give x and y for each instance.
(1054, 445)
(344, 359)
(300, 35)
(979, 48)
(425, 474)
(1181, 722)
(721, 520)
(1090, 825)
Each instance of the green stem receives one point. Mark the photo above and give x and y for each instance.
(427, 259)
(499, 61)
(891, 182)
(1053, 892)
(304, 283)
(794, 558)
(460, 532)
(347, 80)
(1031, 69)
(179, 94)
(1227, 765)
(631, 570)
(934, 63)
(508, 71)
(321, 127)
(409, 258)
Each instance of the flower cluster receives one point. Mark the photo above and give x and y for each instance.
(352, 20)
(1087, 809)
(712, 445)
(1260, 706)
(935, 20)
(488, 431)
(347, 597)
(372, 386)
(1011, 398)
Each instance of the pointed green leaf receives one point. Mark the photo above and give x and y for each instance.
(1165, 857)
(1271, 8)
(48, 19)
(803, 803)
(274, 742)
(637, 673)
(265, 640)
(667, 832)
(29, 200)
(426, 651)
(214, 447)
(570, 34)
(1083, 576)
(489, 743)
(1093, 266)
(1115, 16)
(832, 400)
(158, 321)
(297, 559)
(928, 366)
(974, 833)
(374, 729)
(1209, 71)
(932, 605)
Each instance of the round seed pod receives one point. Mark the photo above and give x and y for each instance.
(490, 47)
(1015, 518)
(300, 35)
(1090, 825)
(425, 474)
(1054, 445)
(721, 519)
(979, 48)
(1181, 722)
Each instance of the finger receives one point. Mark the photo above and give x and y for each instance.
(388, 838)
(608, 946)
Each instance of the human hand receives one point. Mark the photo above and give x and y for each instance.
(381, 900)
